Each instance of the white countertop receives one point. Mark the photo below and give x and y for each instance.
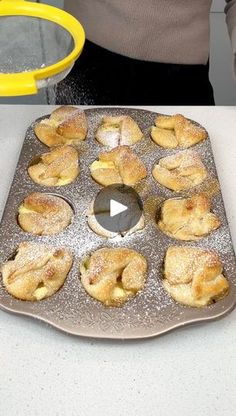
(191, 371)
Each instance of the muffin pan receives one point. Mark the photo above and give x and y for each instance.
(152, 312)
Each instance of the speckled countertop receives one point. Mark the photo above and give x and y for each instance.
(189, 371)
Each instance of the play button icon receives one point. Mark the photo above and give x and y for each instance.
(118, 208)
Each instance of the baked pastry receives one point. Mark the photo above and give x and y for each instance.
(37, 271)
(66, 125)
(120, 165)
(44, 214)
(188, 219)
(181, 171)
(103, 232)
(118, 130)
(176, 131)
(113, 275)
(193, 276)
(58, 167)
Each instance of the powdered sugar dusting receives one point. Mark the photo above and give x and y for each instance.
(152, 311)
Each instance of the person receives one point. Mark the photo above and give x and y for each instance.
(150, 52)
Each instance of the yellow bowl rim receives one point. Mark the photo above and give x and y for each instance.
(24, 8)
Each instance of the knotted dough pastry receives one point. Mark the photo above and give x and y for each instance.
(58, 167)
(37, 271)
(113, 275)
(193, 276)
(66, 125)
(188, 219)
(181, 171)
(44, 214)
(120, 165)
(118, 130)
(176, 131)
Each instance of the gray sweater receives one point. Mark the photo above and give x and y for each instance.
(172, 31)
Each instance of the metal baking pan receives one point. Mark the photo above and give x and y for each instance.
(150, 313)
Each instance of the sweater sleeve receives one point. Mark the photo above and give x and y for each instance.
(230, 11)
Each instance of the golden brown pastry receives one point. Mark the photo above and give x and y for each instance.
(66, 125)
(176, 131)
(44, 214)
(181, 171)
(193, 276)
(113, 275)
(36, 272)
(188, 219)
(120, 165)
(118, 130)
(103, 232)
(58, 167)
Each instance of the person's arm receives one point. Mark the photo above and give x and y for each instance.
(230, 11)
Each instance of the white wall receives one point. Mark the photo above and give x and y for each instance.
(218, 5)
(221, 57)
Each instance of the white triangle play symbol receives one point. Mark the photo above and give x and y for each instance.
(116, 208)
